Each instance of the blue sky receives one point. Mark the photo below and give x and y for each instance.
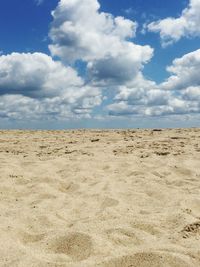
(99, 64)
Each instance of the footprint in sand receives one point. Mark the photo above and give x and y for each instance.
(183, 172)
(31, 238)
(192, 205)
(123, 237)
(76, 245)
(150, 259)
(146, 227)
(109, 202)
(69, 187)
(136, 173)
(36, 222)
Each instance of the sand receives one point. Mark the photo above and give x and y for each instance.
(100, 198)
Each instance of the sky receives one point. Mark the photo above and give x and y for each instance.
(99, 64)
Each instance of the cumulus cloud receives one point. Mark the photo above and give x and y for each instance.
(172, 30)
(154, 105)
(179, 94)
(184, 72)
(192, 93)
(19, 107)
(35, 75)
(36, 84)
(141, 101)
(81, 32)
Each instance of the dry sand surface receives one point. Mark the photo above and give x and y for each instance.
(100, 198)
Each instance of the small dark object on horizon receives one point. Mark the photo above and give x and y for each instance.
(95, 140)
(157, 130)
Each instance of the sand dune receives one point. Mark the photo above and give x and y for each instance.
(100, 198)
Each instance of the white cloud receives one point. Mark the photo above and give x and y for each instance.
(141, 101)
(35, 75)
(39, 2)
(173, 29)
(33, 84)
(179, 94)
(192, 93)
(173, 106)
(81, 32)
(184, 72)
(19, 107)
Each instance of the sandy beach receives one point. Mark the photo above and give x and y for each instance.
(87, 198)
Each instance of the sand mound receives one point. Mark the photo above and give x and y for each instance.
(152, 259)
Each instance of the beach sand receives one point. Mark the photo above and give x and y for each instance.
(100, 198)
